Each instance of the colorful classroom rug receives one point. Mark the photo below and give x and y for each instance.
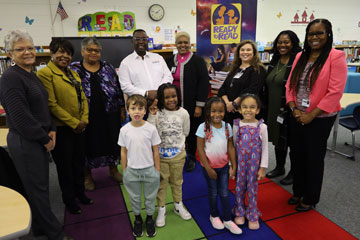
(110, 217)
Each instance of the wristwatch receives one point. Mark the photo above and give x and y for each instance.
(293, 108)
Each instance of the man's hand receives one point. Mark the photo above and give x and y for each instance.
(151, 94)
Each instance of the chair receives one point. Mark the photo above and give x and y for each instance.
(353, 124)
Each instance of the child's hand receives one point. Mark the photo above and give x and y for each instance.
(261, 174)
(232, 172)
(153, 108)
(211, 173)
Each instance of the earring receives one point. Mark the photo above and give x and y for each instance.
(12, 63)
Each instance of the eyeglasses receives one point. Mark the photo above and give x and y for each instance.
(22, 50)
(90, 50)
(140, 39)
(182, 42)
(311, 34)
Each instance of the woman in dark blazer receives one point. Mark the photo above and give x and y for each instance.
(247, 75)
(285, 48)
(191, 77)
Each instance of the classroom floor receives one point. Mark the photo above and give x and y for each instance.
(335, 217)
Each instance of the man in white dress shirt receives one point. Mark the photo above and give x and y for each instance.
(142, 72)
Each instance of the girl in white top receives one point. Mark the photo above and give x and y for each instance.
(173, 124)
(251, 144)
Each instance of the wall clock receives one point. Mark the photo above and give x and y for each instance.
(156, 12)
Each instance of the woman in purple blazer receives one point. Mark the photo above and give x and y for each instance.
(313, 93)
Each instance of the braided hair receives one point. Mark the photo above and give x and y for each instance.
(207, 125)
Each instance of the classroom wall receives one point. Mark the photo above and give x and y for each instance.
(344, 16)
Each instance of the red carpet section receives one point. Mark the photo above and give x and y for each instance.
(287, 223)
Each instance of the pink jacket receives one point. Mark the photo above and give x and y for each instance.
(329, 86)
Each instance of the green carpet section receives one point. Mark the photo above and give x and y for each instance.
(175, 229)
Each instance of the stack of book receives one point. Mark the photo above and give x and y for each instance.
(4, 64)
(216, 81)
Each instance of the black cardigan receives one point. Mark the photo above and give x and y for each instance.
(194, 81)
(250, 82)
(25, 101)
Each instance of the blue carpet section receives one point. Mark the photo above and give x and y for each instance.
(196, 201)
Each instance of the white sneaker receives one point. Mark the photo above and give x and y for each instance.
(181, 211)
(232, 227)
(216, 223)
(160, 219)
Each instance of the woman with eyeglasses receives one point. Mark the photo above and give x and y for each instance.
(313, 92)
(247, 75)
(32, 132)
(69, 106)
(106, 107)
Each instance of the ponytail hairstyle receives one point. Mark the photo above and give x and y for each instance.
(207, 125)
(315, 69)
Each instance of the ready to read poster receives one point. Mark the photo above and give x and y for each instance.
(221, 25)
(225, 23)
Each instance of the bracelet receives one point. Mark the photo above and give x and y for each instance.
(234, 104)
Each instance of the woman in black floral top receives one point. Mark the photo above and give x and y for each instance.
(106, 106)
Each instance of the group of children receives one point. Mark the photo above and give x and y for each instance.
(153, 156)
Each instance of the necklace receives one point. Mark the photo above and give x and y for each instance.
(277, 70)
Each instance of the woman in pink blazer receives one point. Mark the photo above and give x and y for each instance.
(313, 91)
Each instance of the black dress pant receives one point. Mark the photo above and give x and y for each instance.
(308, 148)
(32, 164)
(69, 157)
(191, 138)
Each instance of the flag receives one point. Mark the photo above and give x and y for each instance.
(61, 11)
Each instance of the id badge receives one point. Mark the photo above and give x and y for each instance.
(173, 70)
(238, 75)
(305, 103)
(280, 119)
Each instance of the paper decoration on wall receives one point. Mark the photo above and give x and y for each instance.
(168, 34)
(28, 20)
(304, 18)
(107, 24)
(156, 30)
(279, 15)
(193, 12)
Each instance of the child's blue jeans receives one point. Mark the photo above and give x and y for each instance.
(219, 187)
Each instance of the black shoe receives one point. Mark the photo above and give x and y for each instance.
(73, 207)
(304, 208)
(84, 199)
(150, 227)
(288, 180)
(37, 232)
(275, 173)
(66, 237)
(294, 200)
(138, 232)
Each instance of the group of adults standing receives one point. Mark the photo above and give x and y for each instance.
(75, 110)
